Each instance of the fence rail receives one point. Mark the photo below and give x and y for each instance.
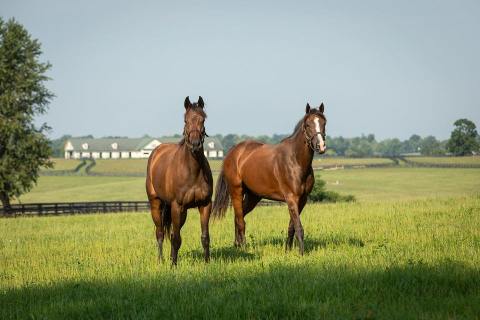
(61, 208)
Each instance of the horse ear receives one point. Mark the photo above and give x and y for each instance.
(200, 102)
(187, 103)
(321, 108)
(307, 109)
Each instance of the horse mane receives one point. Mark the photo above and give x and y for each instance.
(300, 122)
(297, 127)
(195, 108)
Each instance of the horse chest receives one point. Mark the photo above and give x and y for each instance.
(196, 193)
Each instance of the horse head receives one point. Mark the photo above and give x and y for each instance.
(194, 130)
(314, 124)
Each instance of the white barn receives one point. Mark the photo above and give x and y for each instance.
(127, 148)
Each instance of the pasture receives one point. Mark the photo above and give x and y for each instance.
(467, 160)
(138, 166)
(382, 260)
(400, 183)
(408, 248)
(60, 164)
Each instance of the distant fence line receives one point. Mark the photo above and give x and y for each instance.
(61, 208)
(438, 165)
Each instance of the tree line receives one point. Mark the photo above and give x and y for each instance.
(464, 140)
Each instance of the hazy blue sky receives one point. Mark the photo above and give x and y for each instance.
(391, 68)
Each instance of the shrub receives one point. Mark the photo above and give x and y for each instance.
(319, 194)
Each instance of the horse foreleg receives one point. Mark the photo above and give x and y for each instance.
(179, 216)
(290, 234)
(204, 220)
(291, 226)
(156, 211)
(293, 208)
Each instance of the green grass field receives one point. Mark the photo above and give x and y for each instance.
(366, 184)
(469, 160)
(60, 164)
(138, 166)
(341, 161)
(409, 248)
(416, 259)
(121, 166)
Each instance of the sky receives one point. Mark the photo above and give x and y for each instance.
(391, 68)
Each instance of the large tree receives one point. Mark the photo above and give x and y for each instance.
(463, 139)
(23, 95)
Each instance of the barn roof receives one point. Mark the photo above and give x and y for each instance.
(107, 144)
(132, 144)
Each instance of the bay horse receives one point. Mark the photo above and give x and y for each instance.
(283, 172)
(179, 178)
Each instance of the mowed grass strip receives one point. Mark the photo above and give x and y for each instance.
(399, 183)
(60, 164)
(467, 160)
(342, 161)
(139, 166)
(376, 184)
(120, 167)
(394, 260)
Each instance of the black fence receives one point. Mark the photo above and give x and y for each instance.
(76, 207)
(86, 207)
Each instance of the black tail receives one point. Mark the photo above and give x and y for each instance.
(222, 197)
(166, 219)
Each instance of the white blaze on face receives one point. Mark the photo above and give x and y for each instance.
(319, 136)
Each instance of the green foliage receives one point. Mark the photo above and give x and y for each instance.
(463, 140)
(430, 146)
(23, 95)
(390, 147)
(320, 194)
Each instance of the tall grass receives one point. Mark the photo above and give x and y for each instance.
(385, 260)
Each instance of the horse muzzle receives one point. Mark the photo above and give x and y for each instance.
(321, 148)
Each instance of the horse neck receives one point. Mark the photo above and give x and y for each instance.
(303, 154)
(195, 161)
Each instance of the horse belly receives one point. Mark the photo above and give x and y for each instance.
(262, 182)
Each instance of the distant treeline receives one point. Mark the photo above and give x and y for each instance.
(363, 146)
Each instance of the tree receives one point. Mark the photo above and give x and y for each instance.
(390, 147)
(430, 146)
(229, 141)
(463, 139)
(23, 95)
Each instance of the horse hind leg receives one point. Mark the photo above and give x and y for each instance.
(236, 194)
(204, 220)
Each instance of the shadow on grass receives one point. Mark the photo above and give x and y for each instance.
(224, 254)
(312, 244)
(410, 291)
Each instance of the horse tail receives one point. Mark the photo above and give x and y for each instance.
(222, 197)
(166, 219)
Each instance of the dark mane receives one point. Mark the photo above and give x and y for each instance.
(300, 122)
(297, 127)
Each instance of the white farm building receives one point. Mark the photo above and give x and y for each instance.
(129, 148)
